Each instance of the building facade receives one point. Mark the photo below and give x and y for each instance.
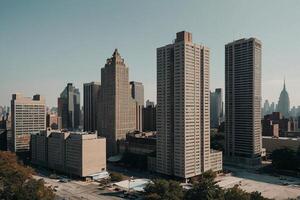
(91, 104)
(69, 107)
(243, 101)
(28, 116)
(74, 153)
(117, 108)
(149, 118)
(183, 110)
(216, 108)
(137, 93)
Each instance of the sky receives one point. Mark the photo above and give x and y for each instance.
(46, 44)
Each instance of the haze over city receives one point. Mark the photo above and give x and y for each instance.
(45, 44)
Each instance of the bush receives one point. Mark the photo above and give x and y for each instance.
(116, 177)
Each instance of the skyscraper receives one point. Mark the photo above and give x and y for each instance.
(183, 122)
(28, 116)
(117, 109)
(149, 117)
(243, 101)
(284, 102)
(91, 104)
(69, 107)
(137, 93)
(216, 108)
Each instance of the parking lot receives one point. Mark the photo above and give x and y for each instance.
(278, 188)
(73, 189)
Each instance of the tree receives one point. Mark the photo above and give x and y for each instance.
(115, 177)
(205, 189)
(285, 159)
(235, 193)
(161, 189)
(257, 196)
(17, 183)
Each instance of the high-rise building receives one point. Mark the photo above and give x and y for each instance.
(149, 117)
(266, 109)
(149, 103)
(243, 101)
(137, 93)
(69, 107)
(91, 104)
(183, 110)
(216, 108)
(284, 102)
(28, 116)
(117, 109)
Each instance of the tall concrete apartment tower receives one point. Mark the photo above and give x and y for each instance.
(137, 93)
(68, 106)
(243, 101)
(28, 116)
(91, 103)
(183, 110)
(117, 109)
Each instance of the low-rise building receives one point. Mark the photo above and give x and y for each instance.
(142, 143)
(276, 125)
(81, 154)
(274, 143)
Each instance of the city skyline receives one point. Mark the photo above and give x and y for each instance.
(71, 46)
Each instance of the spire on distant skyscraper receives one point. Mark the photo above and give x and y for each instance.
(284, 101)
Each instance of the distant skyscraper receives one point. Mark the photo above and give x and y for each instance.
(149, 103)
(266, 109)
(149, 118)
(183, 122)
(91, 105)
(117, 109)
(284, 102)
(137, 93)
(243, 101)
(272, 107)
(69, 107)
(28, 117)
(216, 108)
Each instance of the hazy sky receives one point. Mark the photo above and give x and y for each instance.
(45, 44)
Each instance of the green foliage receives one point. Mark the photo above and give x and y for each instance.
(206, 188)
(161, 189)
(236, 193)
(135, 160)
(285, 159)
(17, 183)
(217, 142)
(116, 177)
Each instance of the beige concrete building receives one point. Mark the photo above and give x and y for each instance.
(243, 101)
(216, 160)
(183, 108)
(81, 154)
(28, 116)
(117, 109)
